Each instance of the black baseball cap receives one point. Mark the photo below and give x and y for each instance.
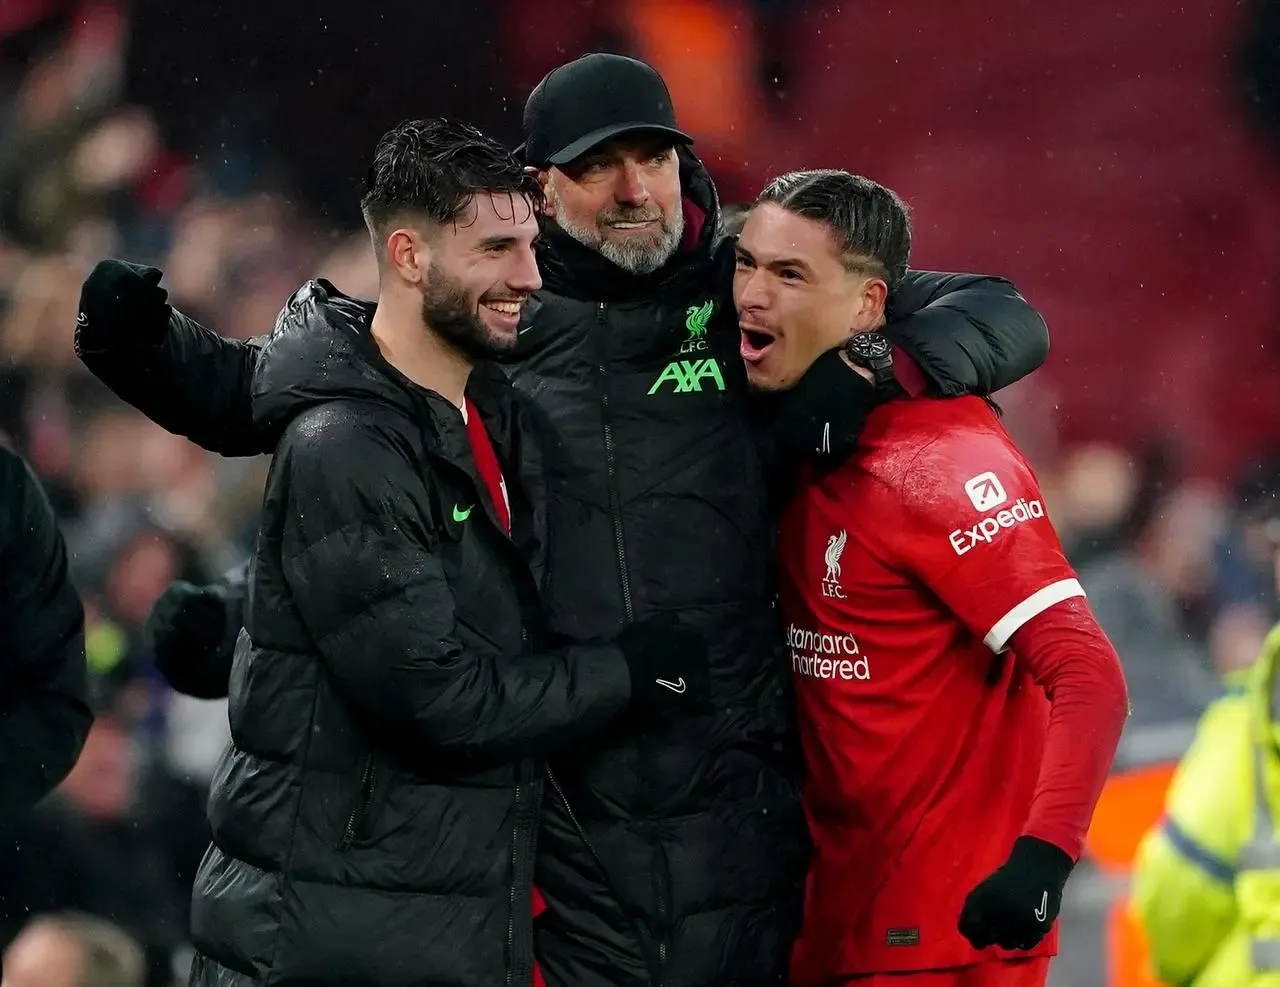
(593, 99)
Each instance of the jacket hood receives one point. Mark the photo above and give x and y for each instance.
(570, 268)
(321, 350)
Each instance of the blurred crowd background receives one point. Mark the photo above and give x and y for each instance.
(1119, 164)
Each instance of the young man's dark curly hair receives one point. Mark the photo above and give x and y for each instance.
(431, 170)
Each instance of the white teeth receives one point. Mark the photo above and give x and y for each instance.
(629, 226)
(506, 308)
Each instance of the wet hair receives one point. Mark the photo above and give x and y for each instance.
(432, 169)
(734, 216)
(870, 223)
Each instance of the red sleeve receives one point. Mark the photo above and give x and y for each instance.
(1070, 657)
(972, 527)
(908, 374)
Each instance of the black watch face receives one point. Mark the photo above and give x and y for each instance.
(869, 346)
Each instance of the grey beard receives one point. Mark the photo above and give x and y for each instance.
(636, 258)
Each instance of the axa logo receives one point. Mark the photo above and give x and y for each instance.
(966, 539)
(688, 376)
(696, 319)
(831, 587)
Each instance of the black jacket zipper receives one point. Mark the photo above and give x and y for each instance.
(515, 879)
(520, 948)
(655, 966)
(615, 499)
(367, 778)
(624, 578)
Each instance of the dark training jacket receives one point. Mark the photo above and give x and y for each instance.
(374, 818)
(44, 707)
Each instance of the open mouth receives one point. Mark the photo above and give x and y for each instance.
(633, 226)
(755, 343)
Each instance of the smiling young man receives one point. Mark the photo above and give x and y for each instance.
(959, 706)
(374, 817)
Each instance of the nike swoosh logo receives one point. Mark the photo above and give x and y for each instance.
(677, 686)
(460, 515)
(1043, 910)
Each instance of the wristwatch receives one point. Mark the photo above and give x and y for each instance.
(871, 351)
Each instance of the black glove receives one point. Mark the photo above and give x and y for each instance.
(121, 304)
(1016, 906)
(188, 631)
(668, 665)
(826, 410)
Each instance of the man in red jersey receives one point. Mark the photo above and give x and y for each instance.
(959, 705)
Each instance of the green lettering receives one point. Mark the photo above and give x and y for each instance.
(672, 371)
(711, 370)
(688, 375)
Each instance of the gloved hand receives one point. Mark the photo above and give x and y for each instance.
(1016, 906)
(824, 413)
(188, 631)
(668, 665)
(121, 305)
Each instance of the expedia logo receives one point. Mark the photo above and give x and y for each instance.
(966, 539)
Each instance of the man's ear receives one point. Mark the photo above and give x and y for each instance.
(408, 254)
(543, 175)
(875, 294)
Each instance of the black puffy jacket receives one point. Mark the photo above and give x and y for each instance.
(374, 818)
(44, 707)
(670, 858)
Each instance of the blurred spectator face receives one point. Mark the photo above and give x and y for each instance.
(116, 151)
(108, 455)
(475, 274)
(621, 200)
(143, 571)
(101, 783)
(43, 956)
(201, 240)
(1098, 484)
(795, 297)
(71, 950)
(36, 327)
(1178, 545)
(352, 268)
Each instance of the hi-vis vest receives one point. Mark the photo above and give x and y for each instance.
(1207, 882)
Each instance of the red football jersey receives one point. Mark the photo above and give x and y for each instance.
(903, 575)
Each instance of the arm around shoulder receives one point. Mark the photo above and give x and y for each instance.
(969, 333)
(188, 379)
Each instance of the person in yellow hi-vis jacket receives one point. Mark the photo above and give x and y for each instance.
(1206, 884)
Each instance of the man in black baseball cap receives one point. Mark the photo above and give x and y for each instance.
(586, 102)
(602, 132)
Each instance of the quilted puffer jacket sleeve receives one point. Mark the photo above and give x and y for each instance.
(969, 333)
(44, 710)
